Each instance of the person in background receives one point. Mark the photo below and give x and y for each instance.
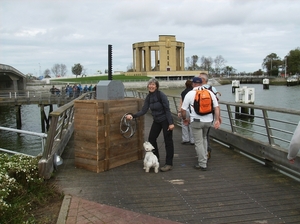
(80, 88)
(158, 103)
(186, 130)
(200, 123)
(55, 91)
(68, 88)
(205, 84)
(85, 89)
(294, 146)
(52, 90)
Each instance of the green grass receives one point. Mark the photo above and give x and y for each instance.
(95, 79)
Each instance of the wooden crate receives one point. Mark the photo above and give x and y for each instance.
(99, 144)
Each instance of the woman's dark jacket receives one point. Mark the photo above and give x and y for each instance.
(159, 106)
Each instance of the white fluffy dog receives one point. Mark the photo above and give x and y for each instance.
(150, 159)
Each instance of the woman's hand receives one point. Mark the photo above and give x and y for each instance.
(129, 117)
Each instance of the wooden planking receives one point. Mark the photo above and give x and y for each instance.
(234, 189)
(98, 137)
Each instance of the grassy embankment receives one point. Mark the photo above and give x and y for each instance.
(96, 79)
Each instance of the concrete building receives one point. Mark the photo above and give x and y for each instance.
(163, 58)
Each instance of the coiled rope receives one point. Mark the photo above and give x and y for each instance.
(127, 127)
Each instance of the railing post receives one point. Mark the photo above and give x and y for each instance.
(46, 165)
(268, 129)
(230, 117)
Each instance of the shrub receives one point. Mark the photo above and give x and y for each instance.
(21, 188)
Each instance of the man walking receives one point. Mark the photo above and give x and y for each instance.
(200, 123)
(205, 84)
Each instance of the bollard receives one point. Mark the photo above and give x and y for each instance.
(247, 96)
(235, 84)
(266, 83)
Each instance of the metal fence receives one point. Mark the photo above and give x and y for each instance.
(261, 132)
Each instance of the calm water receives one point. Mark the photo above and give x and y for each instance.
(30, 122)
(275, 96)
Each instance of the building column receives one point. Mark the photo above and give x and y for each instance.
(182, 59)
(147, 59)
(138, 55)
(156, 61)
(178, 59)
(133, 59)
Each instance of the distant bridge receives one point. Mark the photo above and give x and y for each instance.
(11, 79)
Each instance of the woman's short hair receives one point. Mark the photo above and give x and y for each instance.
(188, 84)
(155, 81)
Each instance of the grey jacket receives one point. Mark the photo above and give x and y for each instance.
(159, 106)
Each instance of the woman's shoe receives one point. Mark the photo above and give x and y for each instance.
(166, 168)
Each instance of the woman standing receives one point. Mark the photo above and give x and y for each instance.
(158, 103)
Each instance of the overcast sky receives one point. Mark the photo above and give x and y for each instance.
(35, 35)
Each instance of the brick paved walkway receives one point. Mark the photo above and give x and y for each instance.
(82, 211)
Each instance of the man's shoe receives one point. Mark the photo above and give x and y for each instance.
(192, 143)
(166, 168)
(185, 143)
(200, 167)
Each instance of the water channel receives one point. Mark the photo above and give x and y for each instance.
(275, 96)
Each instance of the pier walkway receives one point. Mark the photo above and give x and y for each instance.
(234, 189)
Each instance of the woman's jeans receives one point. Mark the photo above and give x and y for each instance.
(168, 138)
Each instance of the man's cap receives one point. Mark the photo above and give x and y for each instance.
(197, 80)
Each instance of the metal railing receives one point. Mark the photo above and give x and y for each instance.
(262, 132)
(42, 136)
(38, 97)
(59, 134)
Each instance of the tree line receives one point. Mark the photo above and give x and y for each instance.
(60, 70)
(289, 65)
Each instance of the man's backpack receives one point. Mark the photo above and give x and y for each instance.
(203, 103)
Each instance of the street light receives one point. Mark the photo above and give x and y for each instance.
(285, 67)
(271, 66)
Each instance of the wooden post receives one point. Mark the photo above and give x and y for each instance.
(43, 117)
(18, 116)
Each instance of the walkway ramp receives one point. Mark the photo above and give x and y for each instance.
(234, 189)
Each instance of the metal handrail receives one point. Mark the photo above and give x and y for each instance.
(264, 135)
(268, 129)
(59, 134)
(268, 122)
(43, 137)
(37, 94)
